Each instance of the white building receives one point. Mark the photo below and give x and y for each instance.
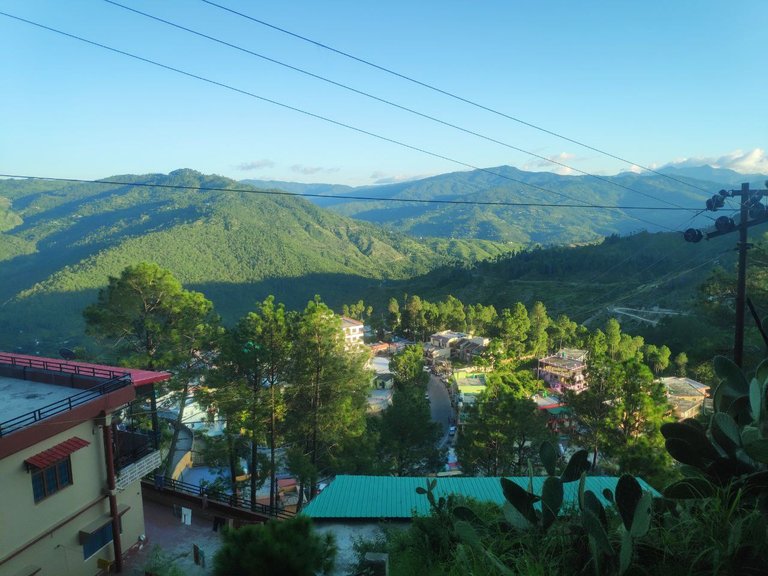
(354, 332)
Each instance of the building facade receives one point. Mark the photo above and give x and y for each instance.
(354, 332)
(71, 465)
(565, 370)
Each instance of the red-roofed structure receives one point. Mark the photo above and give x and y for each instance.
(70, 475)
(138, 377)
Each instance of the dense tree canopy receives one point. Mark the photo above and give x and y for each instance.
(500, 432)
(326, 397)
(153, 322)
(286, 547)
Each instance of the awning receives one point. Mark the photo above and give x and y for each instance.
(59, 452)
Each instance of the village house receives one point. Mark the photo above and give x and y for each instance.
(354, 332)
(564, 370)
(71, 464)
(469, 349)
(560, 418)
(440, 345)
(687, 397)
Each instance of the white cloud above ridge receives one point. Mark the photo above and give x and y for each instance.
(256, 165)
(553, 164)
(754, 161)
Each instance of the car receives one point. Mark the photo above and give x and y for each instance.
(426, 396)
(452, 431)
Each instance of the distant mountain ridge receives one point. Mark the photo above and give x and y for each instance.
(527, 225)
(60, 242)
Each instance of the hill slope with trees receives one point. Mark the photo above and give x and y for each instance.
(61, 241)
(547, 225)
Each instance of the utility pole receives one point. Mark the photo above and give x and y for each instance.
(741, 283)
(751, 213)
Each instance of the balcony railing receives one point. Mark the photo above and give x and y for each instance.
(168, 483)
(65, 404)
(59, 366)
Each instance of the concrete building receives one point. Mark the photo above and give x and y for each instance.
(445, 338)
(564, 370)
(354, 332)
(71, 464)
(687, 397)
(470, 349)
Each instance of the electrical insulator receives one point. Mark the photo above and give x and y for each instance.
(757, 210)
(717, 201)
(724, 224)
(693, 235)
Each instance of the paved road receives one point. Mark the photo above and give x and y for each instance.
(440, 405)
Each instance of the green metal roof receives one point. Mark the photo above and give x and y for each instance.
(380, 497)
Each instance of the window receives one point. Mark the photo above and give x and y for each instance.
(50, 480)
(97, 540)
(98, 533)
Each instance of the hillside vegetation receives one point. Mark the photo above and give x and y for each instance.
(528, 225)
(63, 241)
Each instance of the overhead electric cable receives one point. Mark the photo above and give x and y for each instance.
(452, 95)
(307, 113)
(389, 102)
(344, 196)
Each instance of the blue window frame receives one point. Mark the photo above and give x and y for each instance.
(50, 480)
(97, 540)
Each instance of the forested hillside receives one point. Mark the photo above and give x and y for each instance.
(62, 241)
(547, 225)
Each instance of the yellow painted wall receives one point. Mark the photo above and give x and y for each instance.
(23, 522)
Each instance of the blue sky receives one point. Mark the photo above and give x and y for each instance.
(653, 82)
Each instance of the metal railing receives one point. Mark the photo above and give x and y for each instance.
(59, 366)
(65, 404)
(218, 496)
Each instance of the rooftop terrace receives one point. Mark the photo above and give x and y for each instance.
(35, 388)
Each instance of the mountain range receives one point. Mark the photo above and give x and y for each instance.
(60, 241)
(525, 225)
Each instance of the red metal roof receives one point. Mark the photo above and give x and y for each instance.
(59, 452)
(139, 377)
(286, 482)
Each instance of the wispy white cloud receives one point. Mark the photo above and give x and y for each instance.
(754, 161)
(553, 163)
(309, 170)
(256, 164)
(384, 178)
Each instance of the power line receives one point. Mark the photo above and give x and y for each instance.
(310, 114)
(346, 197)
(389, 102)
(451, 94)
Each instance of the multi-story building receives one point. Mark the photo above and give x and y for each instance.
(354, 332)
(564, 370)
(470, 349)
(74, 443)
